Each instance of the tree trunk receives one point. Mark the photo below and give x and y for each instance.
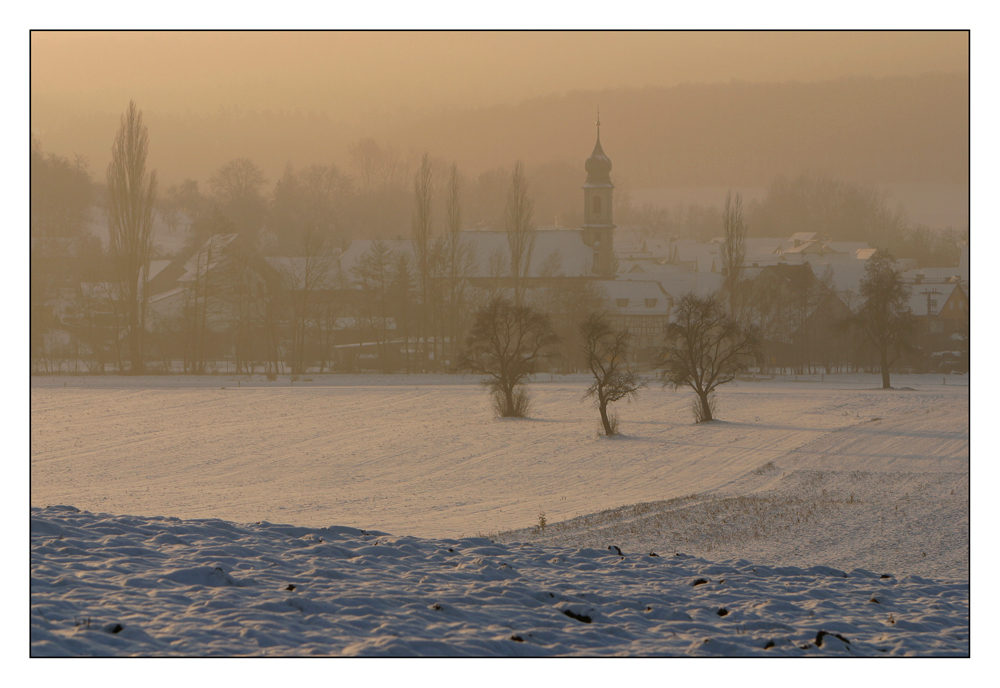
(508, 394)
(706, 408)
(885, 370)
(608, 430)
(134, 343)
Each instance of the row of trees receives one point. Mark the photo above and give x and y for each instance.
(706, 344)
(704, 347)
(421, 299)
(374, 198)
(291, 311)
(373, 202)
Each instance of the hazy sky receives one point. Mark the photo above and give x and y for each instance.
(353, 75)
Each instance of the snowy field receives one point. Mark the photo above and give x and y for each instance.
(800, 482)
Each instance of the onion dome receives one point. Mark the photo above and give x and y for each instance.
(598, 165)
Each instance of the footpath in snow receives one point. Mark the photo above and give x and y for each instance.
(123, 585)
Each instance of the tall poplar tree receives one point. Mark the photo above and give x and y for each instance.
(131, 196)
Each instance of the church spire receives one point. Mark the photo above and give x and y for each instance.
(598, 165)
(598, 225)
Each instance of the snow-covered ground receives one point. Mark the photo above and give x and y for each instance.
(107, 585)
(797, 474)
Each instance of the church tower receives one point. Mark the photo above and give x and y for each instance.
(597, 222)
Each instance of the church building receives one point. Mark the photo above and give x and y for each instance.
(598, 228)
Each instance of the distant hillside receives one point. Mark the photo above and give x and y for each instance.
(899, 130)
(880, 131)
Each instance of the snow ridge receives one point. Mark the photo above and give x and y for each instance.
(155, 586)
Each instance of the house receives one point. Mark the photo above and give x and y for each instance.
(799, 318)
(941, 308)
(801, 238)
(643, 308)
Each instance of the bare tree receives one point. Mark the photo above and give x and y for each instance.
(131, 199)
(460, 262)
(379, 168)
(203, 303)
(520, 229)
(373, 275)
(506, 343)
(568, 303)
(238, 187)
(842, 211)
(365, 157)
(705, 347)
(423, 182)
(61, 194)
(403, 308)
(884, 318)
(237, 180)
(307, 278)
(734, 249)
(606, 352)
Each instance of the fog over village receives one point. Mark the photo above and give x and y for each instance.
(500, 343)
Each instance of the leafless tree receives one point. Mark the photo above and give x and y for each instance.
(568, 303)
(373, 275)
(365, 156)
(705, 347)
(423, 183)
(203, 295)
(307, 278)
(506, 343)
(884, 318)
(520, 229)
(61, 194)
(460, 261)
(403, 308)
(734, 249)
(842, 211)
(237, 180)
(131, 198)
(242, 298)
(310, 201)
(379, 168)
(238, 188)
(606, 352)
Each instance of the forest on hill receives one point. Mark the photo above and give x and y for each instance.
(869, 130)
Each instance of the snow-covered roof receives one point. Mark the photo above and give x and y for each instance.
(849, 247)
(704, 257)
(804, 236)
(846, 276)
(323, 272)
(211, 253)
(351, 257)
(166, 295)
(557, 252)
(932, 295)
(815, 247)
(156, 267)
(677, 283)
(933, 274)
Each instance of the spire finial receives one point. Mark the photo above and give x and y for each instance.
(598, 121)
